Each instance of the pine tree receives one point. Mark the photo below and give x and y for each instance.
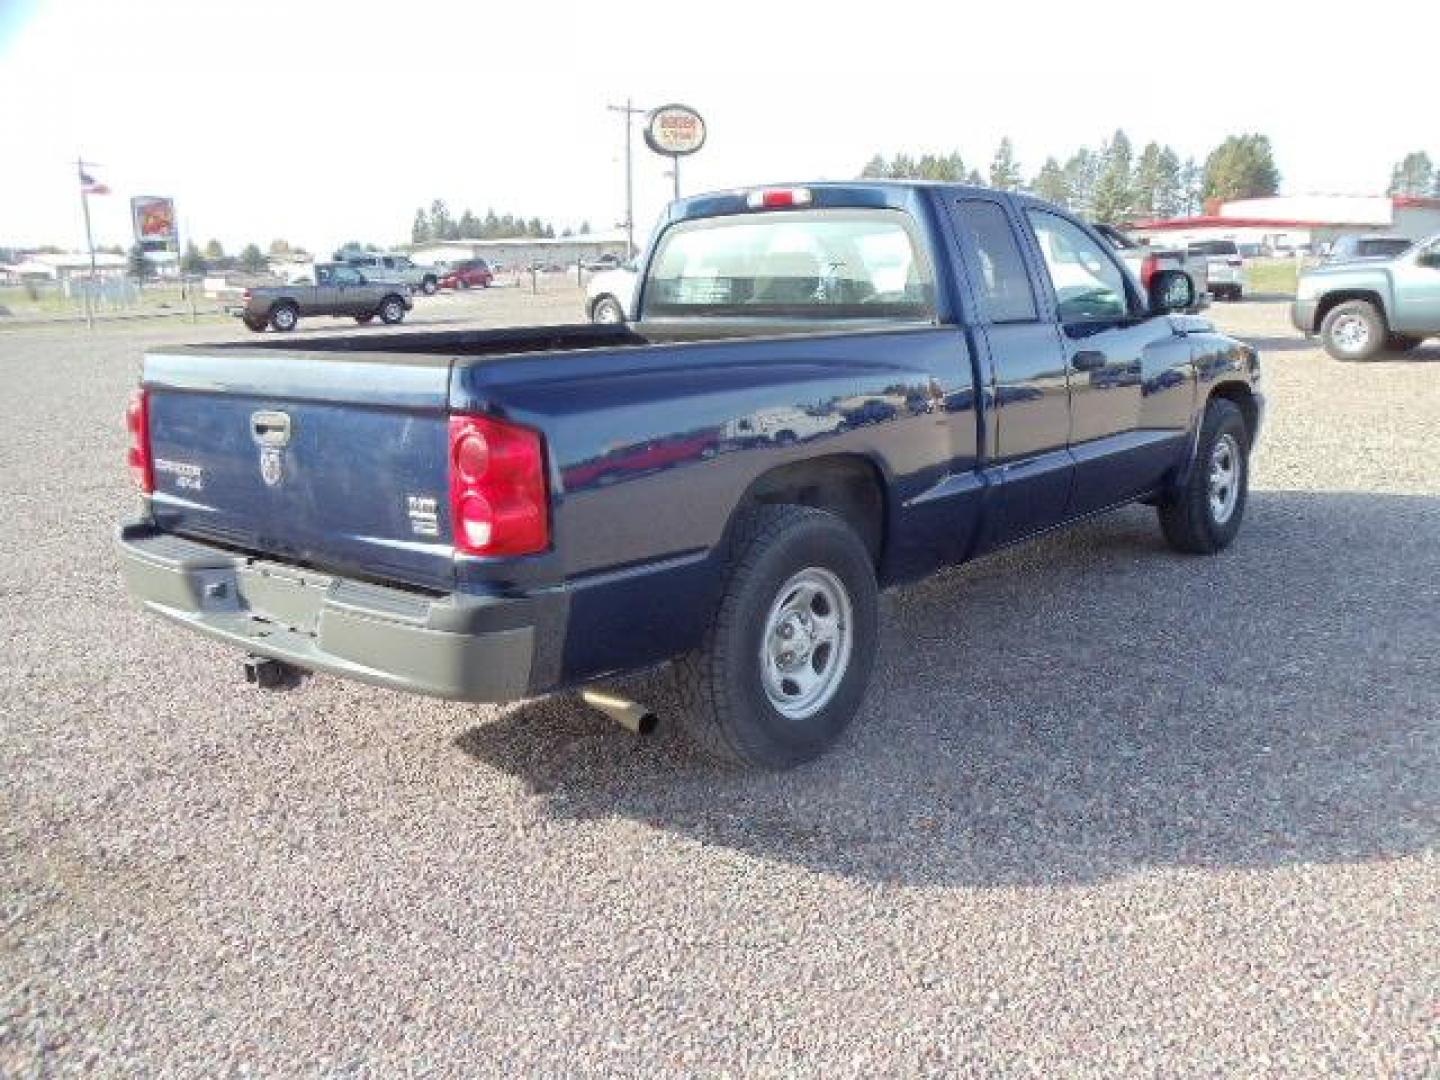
(442, 226)
(1049, 183)
(875, 168)
(1146, 182)
(213, 250)
(1081, 175)
(1191, 188)
(1111, 201)
(1167, 186)
(1004, 169)
(420, 228)
(468, 226)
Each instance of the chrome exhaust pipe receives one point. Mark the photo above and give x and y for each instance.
(630, 715)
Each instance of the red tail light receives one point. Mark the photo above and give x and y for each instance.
(137, 420)
(245, 295)
(498, 500)
(1148, 269)
(772, 198)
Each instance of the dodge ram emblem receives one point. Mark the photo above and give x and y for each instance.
(272, 465)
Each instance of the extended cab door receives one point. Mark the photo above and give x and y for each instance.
(1417, 290)
(1131, 376)
(1027, 383)
(352, 295)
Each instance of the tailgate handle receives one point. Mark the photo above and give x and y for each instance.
(270, 428)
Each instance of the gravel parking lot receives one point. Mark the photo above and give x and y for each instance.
(1108, 808)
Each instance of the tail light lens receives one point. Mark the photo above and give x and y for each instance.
(498, 499)
(1148, 269)
(137, 421)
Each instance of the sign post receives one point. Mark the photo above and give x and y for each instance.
(674, 131)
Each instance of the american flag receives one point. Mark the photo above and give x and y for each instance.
(90, 186)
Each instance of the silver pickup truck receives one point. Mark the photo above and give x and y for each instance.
(341, 291)
(1363, 307)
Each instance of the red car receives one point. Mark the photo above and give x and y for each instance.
(470, 274)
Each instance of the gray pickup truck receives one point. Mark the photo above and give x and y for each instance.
(339, 290)
(1363, 307)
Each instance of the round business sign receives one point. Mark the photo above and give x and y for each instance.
(674, 130)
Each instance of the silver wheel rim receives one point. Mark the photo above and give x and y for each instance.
(805, 650)
(285, 317)
(1351, 333)
(1226, 467)
(608, 313)
(392, 311)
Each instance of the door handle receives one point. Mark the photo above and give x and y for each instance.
(1088, 360)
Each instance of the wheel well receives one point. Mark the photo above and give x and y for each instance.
(595, 303)
(1330, 301)
(1244, 399)
(847, 485)
(282, 302)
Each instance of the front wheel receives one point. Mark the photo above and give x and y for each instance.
(392, 310)
(785, 663)
(607, 310)
(1353, 330)
(1204, 516)
(429, 286)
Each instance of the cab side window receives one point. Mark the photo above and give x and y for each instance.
(347, 275)
(1089, 285)
(1003, 286)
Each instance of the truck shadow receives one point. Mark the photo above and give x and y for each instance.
(1081, 708)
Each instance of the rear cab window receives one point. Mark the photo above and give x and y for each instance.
(823, 263)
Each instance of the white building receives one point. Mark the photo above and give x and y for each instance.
(520, 252)
(63, 267)
(1294, 221)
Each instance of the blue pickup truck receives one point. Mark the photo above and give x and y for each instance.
(828, 389)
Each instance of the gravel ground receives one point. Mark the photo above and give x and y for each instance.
(1108, 809)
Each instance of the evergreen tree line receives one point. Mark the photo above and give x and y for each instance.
(1110, 183)
(213, 259)
(438, 223)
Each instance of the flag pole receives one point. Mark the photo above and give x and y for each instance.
(89, 243)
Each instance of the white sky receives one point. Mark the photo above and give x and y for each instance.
(321, 122)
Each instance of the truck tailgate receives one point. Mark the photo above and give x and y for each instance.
(327, 461)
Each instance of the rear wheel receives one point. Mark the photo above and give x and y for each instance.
(1353, 330)
(392, 310)
(429, 285)
(284, 317)
(1204, 516)
(784, 666)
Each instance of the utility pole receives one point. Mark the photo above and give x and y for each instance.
(89, 242)
(628, 110)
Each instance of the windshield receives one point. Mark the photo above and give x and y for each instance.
(1383, 246)
(832, 264)
(1214, 247)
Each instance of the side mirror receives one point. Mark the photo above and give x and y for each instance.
(1170, 291)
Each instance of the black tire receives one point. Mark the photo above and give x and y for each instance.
(429, 285)
(1402, 342)
(284, 317)
(607, 310)
(364, 320)
(462, 284)
(1188, 517)
(255, 323)
(1353, 330)
(392, 310)
(727, 709)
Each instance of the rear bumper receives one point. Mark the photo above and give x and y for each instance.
(471, 648)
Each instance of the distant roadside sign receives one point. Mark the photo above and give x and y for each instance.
(154, 218)
(674, 130)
